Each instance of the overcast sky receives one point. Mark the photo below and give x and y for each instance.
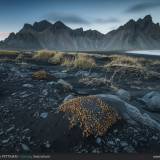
(102, 15)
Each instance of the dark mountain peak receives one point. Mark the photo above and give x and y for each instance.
(42, 25)
(27, 26)
(60, 25)
(132, 21)
(79, 29)
(148, 18)
(11, 36)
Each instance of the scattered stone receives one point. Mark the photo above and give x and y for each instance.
(28, 85)
(68, 97)
(96, 151)
(51, 83)
(5, 141)
(111, 143)
(155, 138)
(47, 144)
(45, 92)
(1, 133)
(129, 149)
(123, 143)
(99, 141)
(61, 75)
(44, 115)
(25, 147)
(82, 73)
(65, 84)
(10, 129)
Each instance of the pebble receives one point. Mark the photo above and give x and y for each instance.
(111, 143)
(155, 138)
(99, 141)
(129, 149)
(123, 143)
(47, 144)
(25, 147)
(44, 115)
(45, 92)
(5, 141)
(10, 129)
(28, 85)
(68, 97)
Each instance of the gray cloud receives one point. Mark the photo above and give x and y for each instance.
(143, 7)
(109, 20)
(74, 19)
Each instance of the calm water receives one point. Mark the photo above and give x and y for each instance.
(146, 52)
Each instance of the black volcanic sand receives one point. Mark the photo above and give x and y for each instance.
(24, 101)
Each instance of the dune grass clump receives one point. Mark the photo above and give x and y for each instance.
(43, 55)
(80, 61)
(124, 67)
(92, 115)
(57, 58)
(40, 75)
(121, 60)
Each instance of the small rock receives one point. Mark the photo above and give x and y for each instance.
(10, 129)
(82, 73)
(25, 147)
(123, 94)
(115, 130)
(65, 84)
(28, 85)
(5, 141)
(44, 115)
(47, 144)
(152, 101)
(99, 141)
(36, 114)
(96, 151)
(129, 149)
(111, 143)
(123, 143)
(155, 138)
(45, 92)
(51, 83)
(61, 75)
(68, 97)
(1, 133)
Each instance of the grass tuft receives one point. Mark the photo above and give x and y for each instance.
(40, 75)
(80, 61)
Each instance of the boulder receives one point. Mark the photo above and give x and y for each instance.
(152, 101)
(123, 94)
(131, 114)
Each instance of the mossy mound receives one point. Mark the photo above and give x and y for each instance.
(43, 75)
(92, 115)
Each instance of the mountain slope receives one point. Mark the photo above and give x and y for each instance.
(140, 34)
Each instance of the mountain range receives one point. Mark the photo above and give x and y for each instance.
(134, 35)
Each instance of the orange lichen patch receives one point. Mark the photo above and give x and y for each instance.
(93, 115)
(40, 75)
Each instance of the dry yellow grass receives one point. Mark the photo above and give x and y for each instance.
(43, 55)
(57, 58)
(93, 115)
(80, 61)
(121, 60)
